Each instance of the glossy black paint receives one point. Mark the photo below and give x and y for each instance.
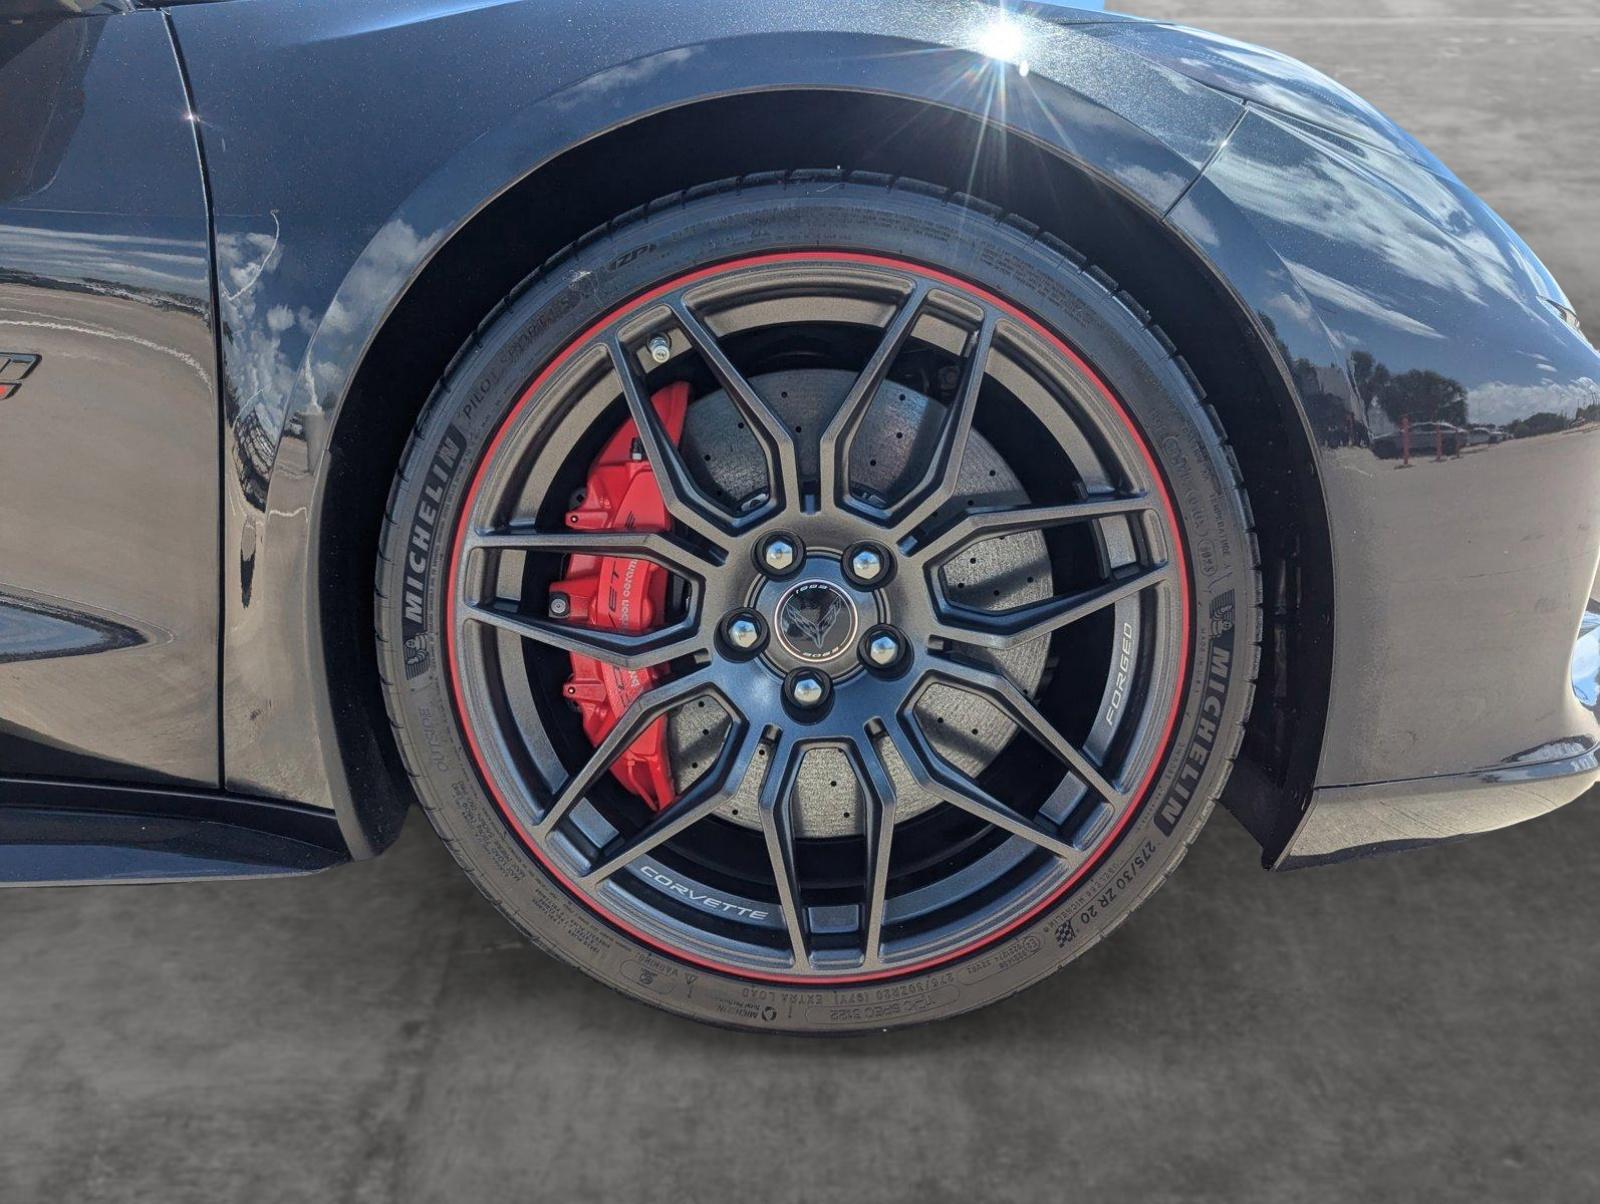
(108, 447)
(66, 833)
(347, 144)
(1267, 80)
(308, 271)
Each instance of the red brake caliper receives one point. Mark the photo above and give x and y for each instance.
(615, 593)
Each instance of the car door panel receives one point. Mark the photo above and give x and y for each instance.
(108, 411)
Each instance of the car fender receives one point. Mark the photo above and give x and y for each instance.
(307, 272)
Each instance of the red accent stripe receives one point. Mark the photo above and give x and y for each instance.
(812, 257)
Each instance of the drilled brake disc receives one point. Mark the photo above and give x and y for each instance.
(894, 444)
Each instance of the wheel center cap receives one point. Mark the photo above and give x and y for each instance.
(816, 620)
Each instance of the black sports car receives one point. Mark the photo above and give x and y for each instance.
(816, 501)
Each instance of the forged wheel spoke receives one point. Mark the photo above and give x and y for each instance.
(950, 785)
(783, 465)
(684, 499)
(941, 481)
(839, 437)
(989, 524)
(656, 546)
(996, 689)
(1006, 629)
(646, 709)
(625, 650)
(716, 786)
(878, 829)
(777, 827)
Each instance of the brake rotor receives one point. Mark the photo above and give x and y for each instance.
(895, 441)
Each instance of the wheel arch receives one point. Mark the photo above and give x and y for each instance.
(468, 271)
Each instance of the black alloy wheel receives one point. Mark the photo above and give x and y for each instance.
(932, 626)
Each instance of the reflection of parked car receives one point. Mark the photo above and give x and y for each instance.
(1427, 439)
(1478, 436)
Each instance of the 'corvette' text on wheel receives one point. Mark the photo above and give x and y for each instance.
(838, 614)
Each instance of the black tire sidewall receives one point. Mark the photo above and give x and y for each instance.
(556, 307)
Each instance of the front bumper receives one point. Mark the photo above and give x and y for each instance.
(1353, 821)
(1392, 293)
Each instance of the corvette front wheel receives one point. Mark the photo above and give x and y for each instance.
(815, 605)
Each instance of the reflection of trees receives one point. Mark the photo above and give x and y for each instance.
(1421, 394)
(1371, 377)
(1424, 393)
(1418, 393)
(1326, 407)
(1547, 423)
(1538, 424)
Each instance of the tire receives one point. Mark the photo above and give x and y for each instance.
(1047, 285)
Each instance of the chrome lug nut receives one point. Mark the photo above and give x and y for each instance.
(883, 649)
(779, 554)
(743, 633)
(807, 690)
(867, 565)
(560, 606)
(661, 349)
